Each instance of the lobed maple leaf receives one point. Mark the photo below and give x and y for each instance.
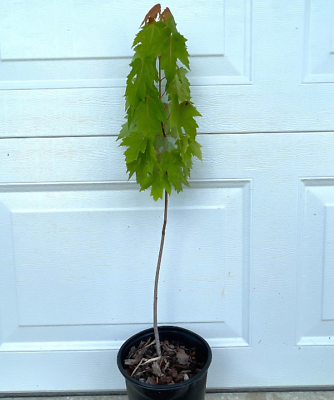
(152, 14)
(141, 77)
(136, 143)
(179, 86)
(183, 116)
(151, 40)
(174, 49)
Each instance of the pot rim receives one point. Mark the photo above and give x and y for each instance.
(175, 386)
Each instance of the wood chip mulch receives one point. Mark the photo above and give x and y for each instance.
(177, 363)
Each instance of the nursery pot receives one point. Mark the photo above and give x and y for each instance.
(192, 389)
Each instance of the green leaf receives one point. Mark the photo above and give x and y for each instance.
(164, 143)
(171, 23)
(170, 166)
(150, 115)
(183, 146)
(150, 40)
(168, 60)
(195, 148)
(136, 143)
(182, 116)
(180, 49)
(157, 190)
(157, 185)
(147, 163)
(142, 76)
(180, 86)
(173, 167)
(126, 130)
(174, 48)
(166, 183)
(143, 165)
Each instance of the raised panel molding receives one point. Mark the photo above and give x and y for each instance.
(80, 44)
(67, 247)
(315, 304)
(318, 64)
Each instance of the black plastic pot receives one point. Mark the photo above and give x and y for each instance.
(192, 389)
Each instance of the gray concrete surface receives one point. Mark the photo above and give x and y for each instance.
(209, 396)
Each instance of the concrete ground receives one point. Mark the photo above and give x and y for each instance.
(210, 396)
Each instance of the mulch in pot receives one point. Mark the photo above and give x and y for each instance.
(177, 363)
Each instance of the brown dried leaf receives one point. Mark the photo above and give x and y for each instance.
(156, 369)
(141, 344)
(151, 380)
(164, 367)
(130, 361)
(182, 356)
(165, 14)
(152, 14)
(165, 380)
(179, 378)
(139, 356)
(173, 373)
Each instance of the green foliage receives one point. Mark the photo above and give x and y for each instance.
(160, 128)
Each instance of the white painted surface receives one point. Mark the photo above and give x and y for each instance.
(249, 246)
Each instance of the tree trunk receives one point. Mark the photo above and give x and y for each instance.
(156, 283)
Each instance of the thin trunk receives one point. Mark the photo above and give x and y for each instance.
(156, 283)
(157, 272)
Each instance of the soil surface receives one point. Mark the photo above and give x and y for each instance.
(177, 363)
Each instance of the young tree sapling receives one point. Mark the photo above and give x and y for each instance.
(160, 129)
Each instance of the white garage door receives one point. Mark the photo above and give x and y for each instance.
(249, 248)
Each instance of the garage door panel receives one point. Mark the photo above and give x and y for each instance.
(315, 273)
(318, 42)
(69, 245)
(95, 49)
